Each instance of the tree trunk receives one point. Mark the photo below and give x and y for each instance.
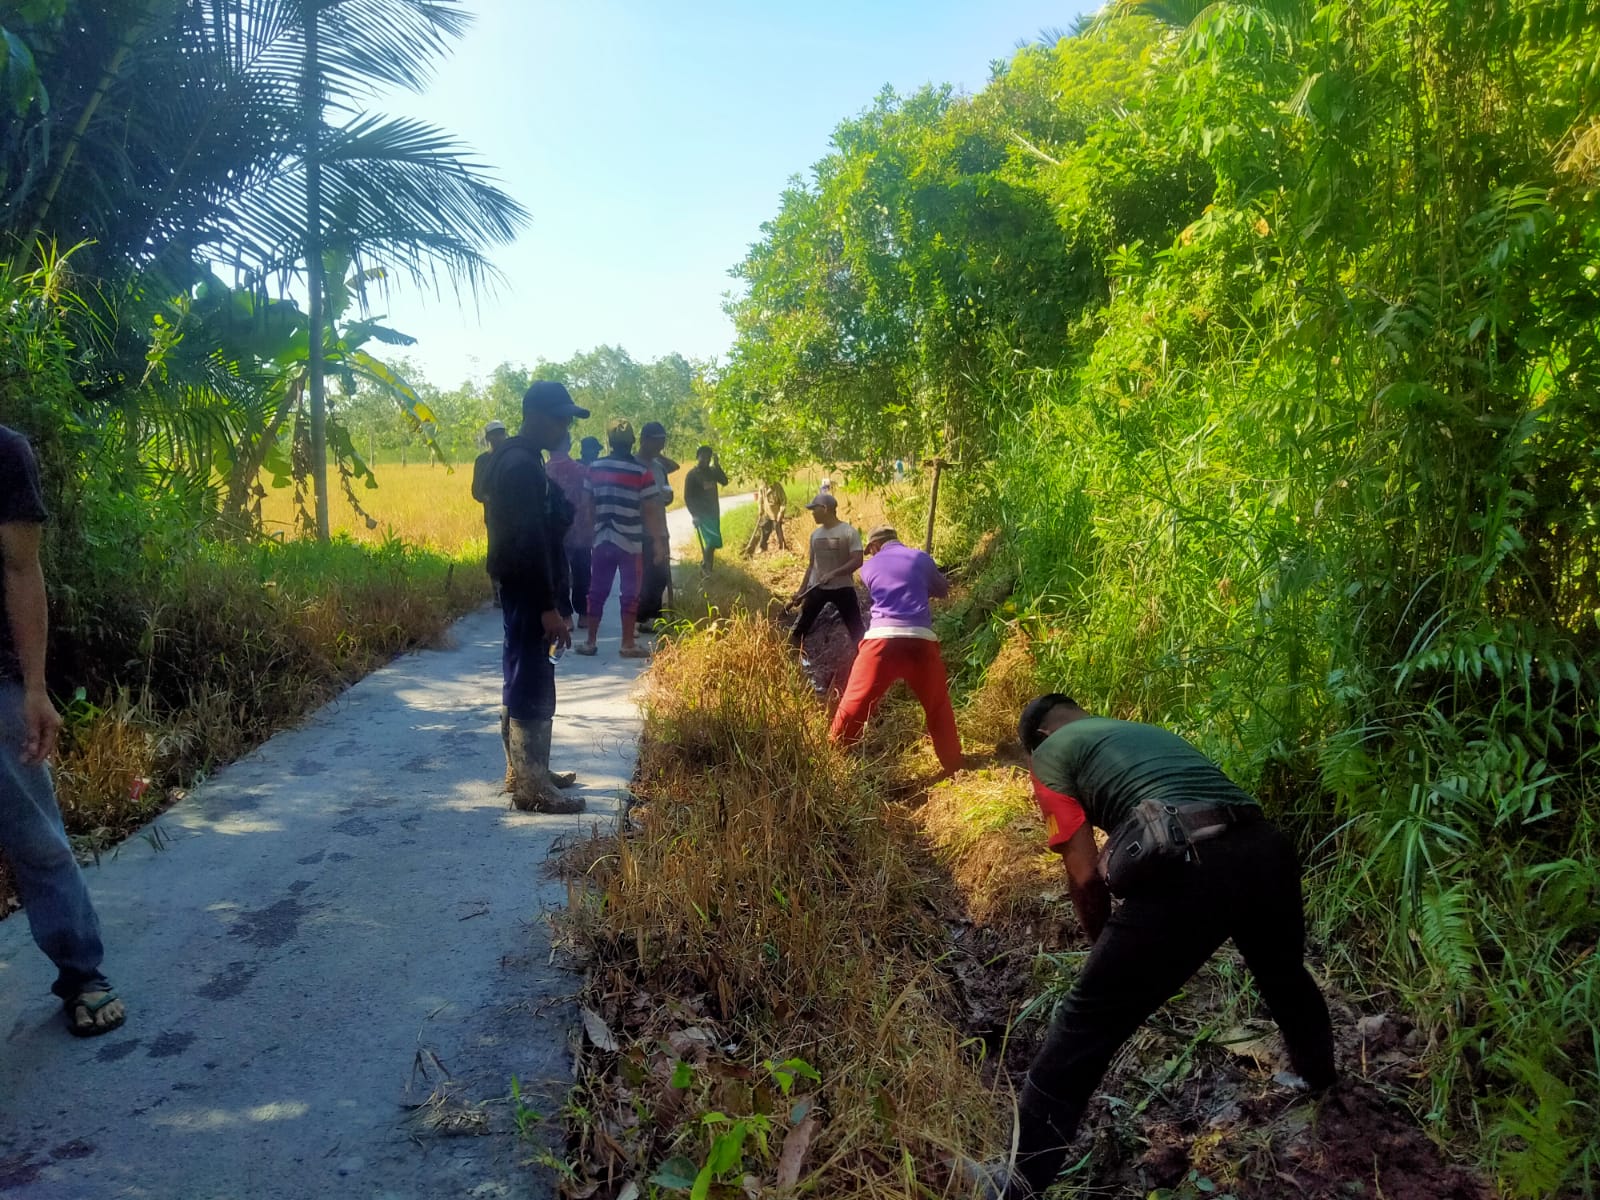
(317, 372)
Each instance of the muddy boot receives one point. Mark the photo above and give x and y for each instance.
(560, 779)
(505, 740)
(530, 755)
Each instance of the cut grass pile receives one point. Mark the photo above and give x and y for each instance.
(763, 947)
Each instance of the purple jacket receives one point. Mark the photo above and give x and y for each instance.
(901, 580)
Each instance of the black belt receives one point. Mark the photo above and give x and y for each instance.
(1206, 821)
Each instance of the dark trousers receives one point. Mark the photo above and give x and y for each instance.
(1246, 886)
(843, 599)
(653, 585)
(579, 563)
(529, 693)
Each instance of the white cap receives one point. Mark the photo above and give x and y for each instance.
(492, 426)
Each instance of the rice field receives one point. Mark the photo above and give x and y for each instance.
(423, 503)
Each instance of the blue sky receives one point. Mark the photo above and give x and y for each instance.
(650, 140)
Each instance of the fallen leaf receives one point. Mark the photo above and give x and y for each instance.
(630, 1191)
(795, 1144)
(599, 1033)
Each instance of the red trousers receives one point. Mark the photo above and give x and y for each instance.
(881, 661)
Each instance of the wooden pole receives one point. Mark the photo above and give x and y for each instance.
(933, 504)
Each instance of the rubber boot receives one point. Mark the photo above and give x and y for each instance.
(563, 779)
(505, 740)
(530, 756)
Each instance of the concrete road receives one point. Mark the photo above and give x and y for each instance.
(335, 957)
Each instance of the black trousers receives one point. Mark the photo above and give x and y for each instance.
(843, 599)
(579, 562)
(652, 582)
(529, 691)
(1246, 886)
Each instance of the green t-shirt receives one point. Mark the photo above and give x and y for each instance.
(1108, 766)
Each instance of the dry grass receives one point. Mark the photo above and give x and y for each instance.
(769, 907)
(985, 828)
(238, 643)
(426, 504)
(989, 717)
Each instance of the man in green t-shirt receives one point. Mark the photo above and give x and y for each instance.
(1242, 881)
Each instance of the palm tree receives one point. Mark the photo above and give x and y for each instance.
(232, 133)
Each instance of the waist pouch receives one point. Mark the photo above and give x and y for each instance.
(1158, 835)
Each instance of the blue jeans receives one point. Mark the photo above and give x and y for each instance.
(60, 914)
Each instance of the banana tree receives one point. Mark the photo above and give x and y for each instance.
(264, 345)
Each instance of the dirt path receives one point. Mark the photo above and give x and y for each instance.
(333, 955)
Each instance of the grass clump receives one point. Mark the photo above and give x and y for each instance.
(204, 652)
(763, 946)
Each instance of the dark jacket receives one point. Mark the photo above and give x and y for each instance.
(528, 516)
(480, 477)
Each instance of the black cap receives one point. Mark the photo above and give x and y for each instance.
(550, 399)
(652, 429)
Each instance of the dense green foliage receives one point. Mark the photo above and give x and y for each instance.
(153, 219)
(1267, 334)
(157, 148)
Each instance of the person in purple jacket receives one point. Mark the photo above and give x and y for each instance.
(900, 644)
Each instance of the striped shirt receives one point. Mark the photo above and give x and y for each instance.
(618, 486)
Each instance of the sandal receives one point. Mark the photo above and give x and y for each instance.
(634, 652)
(587, 649)
(90, 1013)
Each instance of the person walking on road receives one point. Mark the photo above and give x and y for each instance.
(657, 559)
(624, 503)
(494, 435)
(528, 519)
(61, 916)
(570, 476)
(836, 554)
(771, 503)
(900, 644)
(705, 507)
(1194, 863)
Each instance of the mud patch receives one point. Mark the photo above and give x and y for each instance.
(357, 826)
(70, 1151)
(117, 1051)
(276, 925)
(170, 1045)
(18, 1170)
(302, 767)
(311, 860)
(228, 984)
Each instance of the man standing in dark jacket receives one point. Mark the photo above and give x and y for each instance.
(528, 518)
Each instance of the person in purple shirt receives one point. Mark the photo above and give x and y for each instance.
(900, 644)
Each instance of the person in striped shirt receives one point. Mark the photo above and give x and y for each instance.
(624, 504)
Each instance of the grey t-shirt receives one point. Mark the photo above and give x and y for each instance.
(20, 500)
(832, 548)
